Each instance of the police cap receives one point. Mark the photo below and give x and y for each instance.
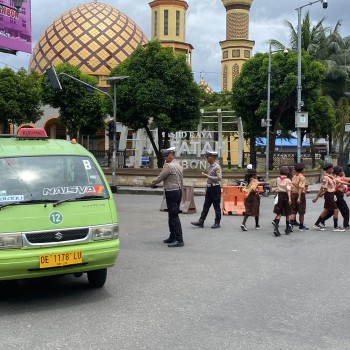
(166, 151)
(211, 154)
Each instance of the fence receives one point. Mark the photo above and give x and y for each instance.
(104, 158)
(283, 158)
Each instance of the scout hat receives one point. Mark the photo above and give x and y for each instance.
(299, 166)
(337, 169)
(251, 171)
(166, 151)
(284, 170)
(327, 166)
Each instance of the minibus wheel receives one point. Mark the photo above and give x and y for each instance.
(97, 278)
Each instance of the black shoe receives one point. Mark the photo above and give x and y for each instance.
(294, 223)
(169, 240)
(216, 225)
(289, 229)
(176, 244)
(276, 232)
(198, 223)
(243, 227)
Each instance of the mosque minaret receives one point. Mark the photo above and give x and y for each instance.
(237, 48)
(169, 25)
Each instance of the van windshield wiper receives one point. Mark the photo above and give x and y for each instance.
(31, 201)
(72, 199)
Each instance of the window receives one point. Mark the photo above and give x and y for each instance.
(155, 23)
(49, 177)
(24, 24)
(166, 22)
(177, 23)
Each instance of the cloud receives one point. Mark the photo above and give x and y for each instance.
(206, 22)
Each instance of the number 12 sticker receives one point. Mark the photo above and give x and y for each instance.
(56, 217)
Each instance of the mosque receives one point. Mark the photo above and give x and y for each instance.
(96, 37)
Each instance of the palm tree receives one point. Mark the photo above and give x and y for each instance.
(327, 46)
(311, 36)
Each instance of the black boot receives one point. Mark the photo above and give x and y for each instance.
(216, 224)
(199, 223)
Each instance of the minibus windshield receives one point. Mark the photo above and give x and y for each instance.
(49, 179)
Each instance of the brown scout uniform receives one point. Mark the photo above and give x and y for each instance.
(298, 182)
(328, 184)
(283, 184)
(252, 201)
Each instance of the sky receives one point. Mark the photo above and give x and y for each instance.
(206, 22)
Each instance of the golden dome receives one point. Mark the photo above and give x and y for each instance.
(93, 36)
(205, 86)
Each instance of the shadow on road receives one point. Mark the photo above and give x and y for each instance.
(47, 292)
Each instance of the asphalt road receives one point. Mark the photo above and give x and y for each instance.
(226, 289)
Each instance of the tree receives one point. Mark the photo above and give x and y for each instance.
(327, 46)
(321, 121)
(19, 97)
(78, 109)
(159, 93)
(342, 112)
(216, 100)
(249, 93)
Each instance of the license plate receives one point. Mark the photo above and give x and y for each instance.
(61, 259)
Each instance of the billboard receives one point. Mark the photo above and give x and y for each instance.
(15, 28)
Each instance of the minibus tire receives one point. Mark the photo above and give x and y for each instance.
(97, 278)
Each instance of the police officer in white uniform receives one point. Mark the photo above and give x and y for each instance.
(213, 191)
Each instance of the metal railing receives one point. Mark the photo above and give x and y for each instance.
(104, 158)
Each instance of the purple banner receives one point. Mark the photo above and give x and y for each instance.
(15, 28)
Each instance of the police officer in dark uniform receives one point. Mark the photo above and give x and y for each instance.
(172, 176)
(213, 191)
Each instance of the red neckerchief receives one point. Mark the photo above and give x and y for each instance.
(282, 177)
(333, 179)
(337, 185)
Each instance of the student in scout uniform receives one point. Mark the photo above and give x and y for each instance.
(172, 176)
(284, 201)
(252, 200)
(213, 191)
(298, 197)
(327, 190)
(341, 189)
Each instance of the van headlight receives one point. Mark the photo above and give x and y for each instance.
(105, 232)
(11, 241)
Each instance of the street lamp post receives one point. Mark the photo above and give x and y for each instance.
(268, 114)
(55, 83)
(114, 145)
(299, 86)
